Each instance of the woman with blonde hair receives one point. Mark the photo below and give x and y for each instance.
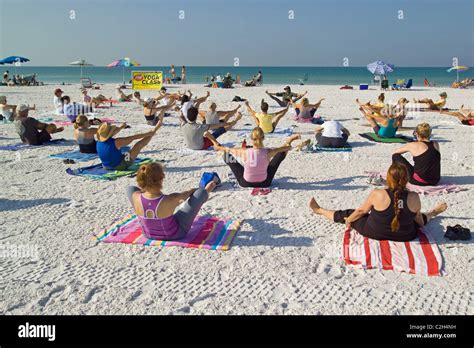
(426, 157)
(385, 121)
(260, 164)
(305, 111)
(84, 134)
(392, 214)
(156, 211)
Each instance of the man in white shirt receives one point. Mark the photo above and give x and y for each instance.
(331, 134)
(58, 105)
(187, 103)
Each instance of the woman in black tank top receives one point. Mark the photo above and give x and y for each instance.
(398, 222)
(426, 170)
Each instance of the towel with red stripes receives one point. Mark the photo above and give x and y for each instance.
(420, 256)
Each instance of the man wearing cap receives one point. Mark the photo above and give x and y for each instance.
(108, 147)
(58, 105)
(32, 131)
(286, 96)
(8, 111)
(435, 106)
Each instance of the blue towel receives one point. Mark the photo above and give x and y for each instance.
(14, 147)
(278, 133)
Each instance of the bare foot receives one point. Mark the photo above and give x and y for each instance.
(211, 186)
(293, 138)
(439, 208)
(238, 117)
(314, 206)
(303, 144)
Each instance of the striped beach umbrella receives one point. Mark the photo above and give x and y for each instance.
(124, 63)
(458, 68)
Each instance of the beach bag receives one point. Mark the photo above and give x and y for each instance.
(207, 177)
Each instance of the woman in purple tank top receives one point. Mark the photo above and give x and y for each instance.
(156, 211)
(260, 164)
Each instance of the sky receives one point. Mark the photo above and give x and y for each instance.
(257, 32)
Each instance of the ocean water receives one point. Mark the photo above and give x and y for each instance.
(271, 75)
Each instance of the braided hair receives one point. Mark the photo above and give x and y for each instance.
(397, 179)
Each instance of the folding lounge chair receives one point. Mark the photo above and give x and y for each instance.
(408, 84)
(399, 84)
(86, 82)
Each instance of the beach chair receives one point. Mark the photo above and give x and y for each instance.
(399, 84)
(86, 82)
(408, 84)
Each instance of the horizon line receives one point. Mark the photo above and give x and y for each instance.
(217, 66)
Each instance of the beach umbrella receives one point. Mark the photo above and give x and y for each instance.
(458, 68)
(14, 60)
(81, 63)
(124, 62)
(380, 68)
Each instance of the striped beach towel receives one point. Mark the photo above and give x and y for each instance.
(420, 256)
(440, 189)
(206, 233)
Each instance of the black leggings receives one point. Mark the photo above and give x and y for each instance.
(331, 142)
(360, 226)
(238, 170)
(397, 158)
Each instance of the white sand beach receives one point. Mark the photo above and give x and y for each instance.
(284, 259)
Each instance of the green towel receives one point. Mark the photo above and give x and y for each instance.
(376, 138)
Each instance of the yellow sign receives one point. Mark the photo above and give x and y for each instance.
(147, 80)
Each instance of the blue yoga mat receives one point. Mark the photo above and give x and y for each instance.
(279, 132)
(15, 147)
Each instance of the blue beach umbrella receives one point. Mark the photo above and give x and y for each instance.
(380, 68)
(14, 60)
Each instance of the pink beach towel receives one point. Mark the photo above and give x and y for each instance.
(206, 233)
(420, 256)
(69, 123)
(440, 189)
(305, 120)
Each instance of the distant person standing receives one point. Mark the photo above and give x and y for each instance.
(172, 72)
(183, 75)
(5, 76)
(384, 83)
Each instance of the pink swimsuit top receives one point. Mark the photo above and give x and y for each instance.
(256, 165)
(154, 227)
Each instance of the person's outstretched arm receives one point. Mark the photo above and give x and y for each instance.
(178, 198)
(404, 149)
(363, 209)
(285, 147)
(281, 112)
(251, 112)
